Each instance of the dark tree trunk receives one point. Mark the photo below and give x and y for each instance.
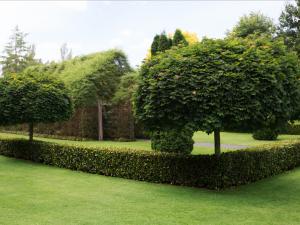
(131, 123)
(100, 121)
(217, 142)
(30, 131)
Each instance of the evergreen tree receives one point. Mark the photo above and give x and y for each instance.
(155, 45)
(289, 27)
(164, 42)
(178, 38)
(17, 53)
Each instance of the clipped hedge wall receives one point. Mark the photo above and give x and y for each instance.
(230, 169)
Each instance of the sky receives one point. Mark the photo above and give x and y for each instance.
(91, 26)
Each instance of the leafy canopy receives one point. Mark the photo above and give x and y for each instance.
(253, 24)
(217, 83)
(33, 98)
(90, 78)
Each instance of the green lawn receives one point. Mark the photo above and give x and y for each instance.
(240, 138)
(37, 194)
(226, 138)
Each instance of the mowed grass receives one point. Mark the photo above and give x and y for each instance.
(36, 194)
(226, 138)
(240, 138)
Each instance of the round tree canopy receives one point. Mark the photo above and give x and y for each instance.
(219, 83)
(33, 98)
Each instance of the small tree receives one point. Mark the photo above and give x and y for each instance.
(32, 97)
(214, 84)
(17, 53)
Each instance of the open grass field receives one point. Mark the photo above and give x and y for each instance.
(33, 193)
(226, 138)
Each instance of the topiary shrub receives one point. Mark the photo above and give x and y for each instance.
(265, 134)
(173, 140)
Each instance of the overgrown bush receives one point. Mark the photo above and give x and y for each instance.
(265, 134)
(179, 141)
(210, 171)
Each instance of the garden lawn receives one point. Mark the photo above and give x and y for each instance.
(226, 138)
(33, 193)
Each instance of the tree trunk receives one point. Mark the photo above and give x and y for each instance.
(100, 121)
(217, 142)
(131, 123)
(30, 131)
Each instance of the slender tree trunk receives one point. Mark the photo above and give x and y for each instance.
(100, 121)
(131, 123)
(217, 142)
(30, 131)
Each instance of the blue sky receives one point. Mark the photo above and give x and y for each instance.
(90, 26)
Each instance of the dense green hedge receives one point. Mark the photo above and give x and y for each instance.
(229, 169)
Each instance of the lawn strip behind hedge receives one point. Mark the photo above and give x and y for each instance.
(209, 171)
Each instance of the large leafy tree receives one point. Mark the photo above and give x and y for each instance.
(253, 24)
(18, 54)
(289, 26)
(216, 83)
(33, 97)
(92, 79)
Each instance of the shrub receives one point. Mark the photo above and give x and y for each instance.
(265, 134)
(210, 171)
(178, 141)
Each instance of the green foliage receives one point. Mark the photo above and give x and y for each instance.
(178, 38)
(229, 169)
(164, 42)
(289, 26)
(155, 45)
(265, 134)
(253, 24)
(33, 98)
(90, 78)
(177, 141)
(126, 88)
(18, 54)
(217, 83)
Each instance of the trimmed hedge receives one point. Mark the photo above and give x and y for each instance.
(173, 141)
(229, 169)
